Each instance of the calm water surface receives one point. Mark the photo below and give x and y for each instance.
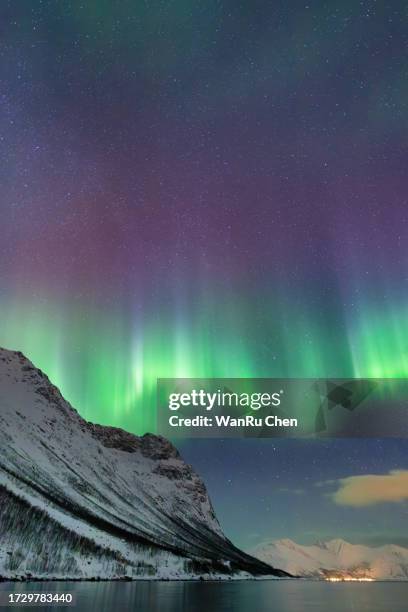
(243, 596)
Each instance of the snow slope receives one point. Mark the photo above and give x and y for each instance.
(336, 558)
(79, 500)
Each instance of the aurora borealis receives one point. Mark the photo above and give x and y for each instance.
(204, 189)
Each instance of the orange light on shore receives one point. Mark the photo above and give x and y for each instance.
(348, 579)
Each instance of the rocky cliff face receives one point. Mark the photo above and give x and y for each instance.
(79, 500)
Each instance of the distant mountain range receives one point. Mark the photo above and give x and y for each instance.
(79, 500)
(336, 558)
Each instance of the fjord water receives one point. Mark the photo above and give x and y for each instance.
(234, 596)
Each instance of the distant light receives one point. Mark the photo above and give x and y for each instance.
(348, 579)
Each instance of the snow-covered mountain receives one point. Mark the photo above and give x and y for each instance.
(336, 558)
(79, 500)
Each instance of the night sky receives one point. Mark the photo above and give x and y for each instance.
(265, 490)
(204, 188)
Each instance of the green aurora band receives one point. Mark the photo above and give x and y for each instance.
(108, 368)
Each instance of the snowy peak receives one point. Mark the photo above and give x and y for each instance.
(336, 558)
(337, 545)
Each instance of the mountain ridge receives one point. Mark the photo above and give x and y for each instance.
(336, 558)
(119, 505)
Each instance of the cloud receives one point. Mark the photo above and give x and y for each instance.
(360, 491)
